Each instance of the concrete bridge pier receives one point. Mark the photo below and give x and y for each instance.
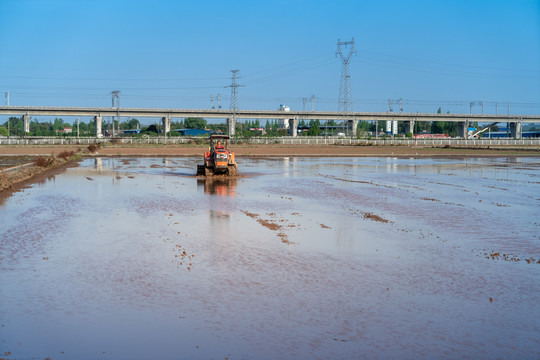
(352, 127)
(515, 129)
(293, 127)
(409, 126)
(166, 120)
(231, 123)
(26, 123)
(98, 120)
(463, 129)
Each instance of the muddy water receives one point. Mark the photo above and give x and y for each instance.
(302, 258)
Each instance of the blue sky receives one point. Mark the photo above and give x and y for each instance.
(175, 54)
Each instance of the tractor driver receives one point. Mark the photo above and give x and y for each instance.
(219, 146)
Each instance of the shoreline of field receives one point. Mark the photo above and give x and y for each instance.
(273, 150)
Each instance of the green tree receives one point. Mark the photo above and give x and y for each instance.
(15, 126)
(83, 127)
(195, 123)
(58, 124)
(438, 127)
(315, 128)
(3, 131)
(133, 124)
(150, 130)
(177, 125)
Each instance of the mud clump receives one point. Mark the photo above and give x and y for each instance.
(284, 238)
(4, 181)
(93, 148)
(269, 224)
(45, 162)
(251, 215)
(66, 154)
(374, 217)
(183, 258)
(511, 258)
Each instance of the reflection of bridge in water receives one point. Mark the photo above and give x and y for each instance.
(293, 117)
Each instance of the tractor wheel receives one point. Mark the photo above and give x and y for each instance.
(208, 171)
(232, 170)
(200, 170)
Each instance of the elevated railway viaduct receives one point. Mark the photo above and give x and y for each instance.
(293, 117)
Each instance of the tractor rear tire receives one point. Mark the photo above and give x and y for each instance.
(232, 170)
(208, 172)
(200, 170)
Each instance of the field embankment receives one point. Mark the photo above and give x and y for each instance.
(273, 150)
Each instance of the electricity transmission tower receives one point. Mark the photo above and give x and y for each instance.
(234, 100)
(345, 104)
(234, 91)
(345, 97)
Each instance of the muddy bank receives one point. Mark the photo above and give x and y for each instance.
(16, 177)
(274, 150)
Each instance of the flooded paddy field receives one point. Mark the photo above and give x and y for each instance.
(300, 258)
(14, 160)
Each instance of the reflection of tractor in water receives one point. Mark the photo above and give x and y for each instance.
(220, 185)
(219, 159)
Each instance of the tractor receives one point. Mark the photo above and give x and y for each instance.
(218, 159)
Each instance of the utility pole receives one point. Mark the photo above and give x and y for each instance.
(218, 100)
(6, 94)
(312, 103)
(400, 105)
(390, 103)
(116, 94)
(212, 102)
(482, 103)
(496, 108)
(304, 100)
(77, 128)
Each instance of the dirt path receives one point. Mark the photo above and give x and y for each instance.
(270, 150)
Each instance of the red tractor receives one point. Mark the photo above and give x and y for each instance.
(218, 159)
